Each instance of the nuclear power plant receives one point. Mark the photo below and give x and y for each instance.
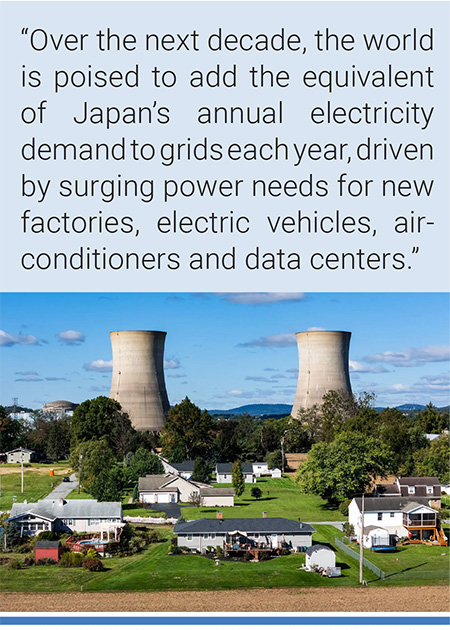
(138, 377)
(323, 366)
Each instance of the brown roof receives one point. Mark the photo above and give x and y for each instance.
(217, 492)
(154, 482)
(388, 488)
(419, 481)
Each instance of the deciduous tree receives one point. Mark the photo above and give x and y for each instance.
(237, 478)
(187, 433)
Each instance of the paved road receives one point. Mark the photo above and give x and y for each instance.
(64, 488)
(171, 510)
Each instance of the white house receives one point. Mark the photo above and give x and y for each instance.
(401, 516)
(88, 515)
(15, 456)
(223, 473)
(184, 469)
(320, 556)
(260, 468)
(169, 488)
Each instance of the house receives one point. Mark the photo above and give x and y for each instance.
(276, 473)
(241, 533)
(223, 473)
(400, 516)
(260, 468)
(170, 488)
(320, 556)
(51, 549)
(412, 487)
(68, 516)
(185, 469)
(15, 456)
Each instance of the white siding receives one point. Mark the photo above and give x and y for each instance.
(218, 501)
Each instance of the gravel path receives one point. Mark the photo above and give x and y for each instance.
(372, 599)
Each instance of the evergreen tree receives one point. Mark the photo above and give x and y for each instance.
(237, 478)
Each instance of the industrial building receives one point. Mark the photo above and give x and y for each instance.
(138, 377)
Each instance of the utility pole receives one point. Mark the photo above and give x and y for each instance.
(361, 544)
(21, 465)
(282, 453)
(80, 457)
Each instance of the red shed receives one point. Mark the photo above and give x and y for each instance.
(47, 549)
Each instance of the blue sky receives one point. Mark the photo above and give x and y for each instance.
(223, 350)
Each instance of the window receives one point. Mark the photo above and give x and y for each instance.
(205, 536)
(94, 521)
(189, 536)
(411, 490)
(212, 536)
(429, 489)
(392, 514)
(68, 521)
(380, 516)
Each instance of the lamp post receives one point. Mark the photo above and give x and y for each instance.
(361, 544)
(80, 457)
(21, 466)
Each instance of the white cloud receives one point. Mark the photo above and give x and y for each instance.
(261, 298)
(171, 364)
(355, 366)
(21, 340)
(177, 376)
(282, 340)
(29, 379)
(27, 373)
(99, 365)
(71, 337)
(411, 357)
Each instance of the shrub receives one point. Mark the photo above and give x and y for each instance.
(152, 536)
(43, 562)
(71, 559)
(248, 556)
(209, 548)
(219, 550)
(284, 551)
(185, 549)
(14, 563)
(348, 529)
(28, 561)
(176, 551)
(265, 555)
(181, 519)
(47, 535)
(343, 507)
(93, 564)
(91, 553)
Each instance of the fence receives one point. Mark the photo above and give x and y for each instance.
(350, 552)
(149, 519)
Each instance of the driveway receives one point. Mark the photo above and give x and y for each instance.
(64, 488)
(171, 510)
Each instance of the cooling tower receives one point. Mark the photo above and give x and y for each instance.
(138, 377)
(323, 366)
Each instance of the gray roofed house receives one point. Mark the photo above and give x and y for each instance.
(64, 515)
(269, 533)
(223, 472)
(170, 488)
(16, 454)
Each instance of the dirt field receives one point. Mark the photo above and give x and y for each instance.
(392, 599)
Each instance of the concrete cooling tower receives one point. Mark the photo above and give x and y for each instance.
(138, 377)
(323, 366)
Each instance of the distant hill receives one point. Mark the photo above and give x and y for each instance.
(254, 410)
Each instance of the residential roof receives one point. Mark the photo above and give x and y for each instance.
(154, 482)
(315, 548)
(47, 544)
(186, 466)
(226, 468)
(370, 528)
(387, 488)
(264, 525)
(51, 510)
(419, 481)
(217, 492)
(20, 449)
(390, 504)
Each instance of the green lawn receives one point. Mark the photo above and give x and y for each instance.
(154, 570)
(281, 497)
(36, 483)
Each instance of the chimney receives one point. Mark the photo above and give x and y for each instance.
(219, 515)
(264, 514)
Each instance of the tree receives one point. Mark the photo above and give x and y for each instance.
(143, 463)
(432, 461)
(398, 433)
(195, 499)
(97, 458)
(99, 418)
(430, 420)
(201, 470)
(109, 484)
(275, 459)
(11, 536)
(58, 442)
(345, 467)
(256, 492)
(187, 433)
(237, 478)
(10, 431)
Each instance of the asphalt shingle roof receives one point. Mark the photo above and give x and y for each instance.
(390, 504)
(217, 492)
(314, 548)
(87, 508)
(186, 466)
(154, 482)
(263, 525)
(226, 468)
(47, 544)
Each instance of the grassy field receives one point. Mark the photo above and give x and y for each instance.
(280, 497)
(36, 482)
(155, 570)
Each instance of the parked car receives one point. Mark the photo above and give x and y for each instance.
(66, 478)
